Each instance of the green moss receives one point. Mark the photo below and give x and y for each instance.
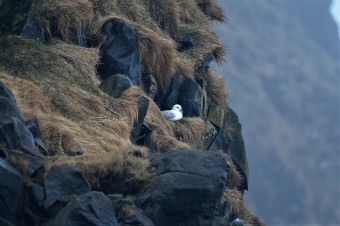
(208, 135)
(216, 115)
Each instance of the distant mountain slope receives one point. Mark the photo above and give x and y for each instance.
(283, 70)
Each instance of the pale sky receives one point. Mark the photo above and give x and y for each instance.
(335, 12)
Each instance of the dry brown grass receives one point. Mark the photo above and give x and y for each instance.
(165, 13)
(235, 178)
(211, 9)
(250, 218)
(205, 41)
(120, 164)
(67, 17)
(216, 91)
(43, 63)
(189, 130)
(235, 200)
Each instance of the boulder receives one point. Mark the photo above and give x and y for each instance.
(191, 98)
(13, 16)
(120, 53)
(34, 164)
(33, 126)
(61, 184)
(13, 132)
(150, 85)
(171, 97)
(115, 85)
(3, 151)
(127, 212)
(138, 128)
(92, 208)
(11, 193)
(31, 28)
(186, 189)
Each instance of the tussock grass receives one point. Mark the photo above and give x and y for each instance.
(205, 41)
(57, 61)
(211, 9)
(67, 17)
(235, 199)
(189, 130)
(121, 164)
(250, 218)
(235, 178)
(215, 88)
(165, 13)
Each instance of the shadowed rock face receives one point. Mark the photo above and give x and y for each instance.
(92, 208)
(13, 131)
(11, 193)
(186, 189)
(13, 15)
(120, 52)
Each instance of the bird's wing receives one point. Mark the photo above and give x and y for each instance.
(168, 114)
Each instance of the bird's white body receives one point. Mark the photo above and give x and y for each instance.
(174, 114)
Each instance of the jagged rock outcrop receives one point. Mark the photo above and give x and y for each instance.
(186, 189)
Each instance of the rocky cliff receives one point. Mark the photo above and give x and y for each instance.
(82, 137)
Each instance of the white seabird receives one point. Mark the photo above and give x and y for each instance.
(174, 114)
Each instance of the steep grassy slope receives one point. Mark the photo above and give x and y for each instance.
(283, 69)
(56, 80)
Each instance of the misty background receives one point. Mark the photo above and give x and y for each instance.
(283, 79)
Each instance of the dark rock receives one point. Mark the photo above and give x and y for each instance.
(92, 208)
(208, 135)
(172, 94)
(236, 147)
(31, 217)
(31, 28)
(191, 98)
(216, 115)
(13, 16)
(139, 129)
(115, 85)
(36, 195)
(127, 212)
(11, 193)
(186, 189)
(205, 64)
(229, 139)
(145, 139)
(61, 184)
(185, 42)
(33, 126)
(54, 152)
(150, 85)
(4, 222)
(3, 151)
(74, 152)
(34, 164)
(13, 132)
(120, 52)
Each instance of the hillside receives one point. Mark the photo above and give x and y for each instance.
(83, 136)
(283, 78)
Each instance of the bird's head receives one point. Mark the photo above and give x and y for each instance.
(177, 107)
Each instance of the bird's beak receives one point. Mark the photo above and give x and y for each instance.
(181, 111)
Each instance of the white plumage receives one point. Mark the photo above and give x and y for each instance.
(174, 114)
